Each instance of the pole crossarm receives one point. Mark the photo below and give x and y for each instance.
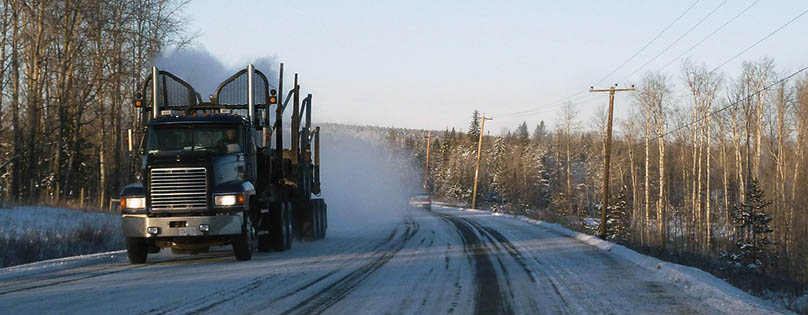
(612, 90)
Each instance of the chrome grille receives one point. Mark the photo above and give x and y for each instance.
(178, 188)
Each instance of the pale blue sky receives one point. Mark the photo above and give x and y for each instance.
(429, 64)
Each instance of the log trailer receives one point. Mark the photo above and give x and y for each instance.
(210, 175)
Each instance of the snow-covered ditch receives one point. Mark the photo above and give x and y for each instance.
(32, 233)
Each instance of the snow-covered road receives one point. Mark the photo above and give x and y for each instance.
(411, 261)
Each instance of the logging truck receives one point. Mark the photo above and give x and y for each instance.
(210, 174)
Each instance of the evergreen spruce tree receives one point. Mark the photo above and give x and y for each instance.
(474, 127)
(617, 225)
(539, 133)
(498, 190)
(522, 134)
(752, 253)
(545, 172)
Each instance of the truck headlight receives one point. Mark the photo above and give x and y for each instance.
(133, 202)
(228, 200)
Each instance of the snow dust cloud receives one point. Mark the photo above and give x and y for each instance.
(361, 182)
(204, 72)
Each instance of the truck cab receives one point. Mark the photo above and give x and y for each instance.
(197, 185)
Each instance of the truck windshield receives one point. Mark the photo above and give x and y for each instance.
(219, 139)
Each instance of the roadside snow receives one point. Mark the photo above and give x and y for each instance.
(41, 220)
(30, 234)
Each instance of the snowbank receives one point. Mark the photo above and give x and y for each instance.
(29, 234)
(21, 220)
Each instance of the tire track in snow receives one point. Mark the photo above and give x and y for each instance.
(578, 291)
(105, 270)
(489, 296)
(517, 255)
(210, 301)
(329, 274)
(54, 275)
(336, 291)
(95, 272)
(58, 282)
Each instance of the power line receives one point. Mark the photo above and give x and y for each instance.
(543, 108)
(677, 40)
(648, 44)
(761, 40)
(554, 108)
(710, 35)
(736, 102)
(539, 110)
(751, 46)
(551, 106)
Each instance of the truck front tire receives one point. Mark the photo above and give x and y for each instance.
(137, 249)
(245, 244)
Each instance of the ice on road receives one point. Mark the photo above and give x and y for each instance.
(410, 261)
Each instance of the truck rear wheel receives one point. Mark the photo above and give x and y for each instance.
(290, 233)
(279, 227)
(137, 249)
(323, 220)
(320, 212)
(244, 244)
(323, 214)
(316, 221)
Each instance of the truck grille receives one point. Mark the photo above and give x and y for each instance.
(178, 188)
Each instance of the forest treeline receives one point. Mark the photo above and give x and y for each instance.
(708, 166)
(68, 73)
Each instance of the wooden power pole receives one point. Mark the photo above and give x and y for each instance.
(426, 169)
(607, 155)
(477, 168)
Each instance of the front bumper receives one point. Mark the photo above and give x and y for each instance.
(138, 225)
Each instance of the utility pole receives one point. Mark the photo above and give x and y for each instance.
(607, 155)
(426, 169)
(477, 168)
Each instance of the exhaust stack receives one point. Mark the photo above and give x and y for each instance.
(296, 123)
(251, 93)
(155, 92)
(279, 113)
